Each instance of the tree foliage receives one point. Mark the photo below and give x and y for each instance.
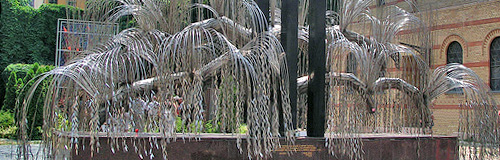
(19, 79)
(28, 35)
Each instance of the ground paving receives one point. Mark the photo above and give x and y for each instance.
(10, 152)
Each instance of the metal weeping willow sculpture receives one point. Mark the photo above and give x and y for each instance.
(164, 57)
(176, 49)
(370, 99)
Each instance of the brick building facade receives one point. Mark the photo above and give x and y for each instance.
(465, 26)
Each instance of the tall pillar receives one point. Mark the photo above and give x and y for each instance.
(317, 69)
(289, 41)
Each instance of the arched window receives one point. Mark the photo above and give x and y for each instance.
(454, 55)
(352, 65)
(495, 64)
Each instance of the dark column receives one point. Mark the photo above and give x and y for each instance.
(317, 62)
(194, 12)
(289, 40)
(264, 7)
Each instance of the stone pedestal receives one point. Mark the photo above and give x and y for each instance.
(218, 146)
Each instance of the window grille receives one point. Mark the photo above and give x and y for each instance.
(351, 65)
(495, 64)
(454, 55)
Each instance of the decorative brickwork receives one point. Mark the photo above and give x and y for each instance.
(453, 38)
(474, 26)
(487, 41)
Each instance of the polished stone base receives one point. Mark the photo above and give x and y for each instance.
(219, 146)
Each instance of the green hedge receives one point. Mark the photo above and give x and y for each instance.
(19, 79)
(28, 35)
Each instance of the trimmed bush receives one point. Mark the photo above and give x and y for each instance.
(19, 79)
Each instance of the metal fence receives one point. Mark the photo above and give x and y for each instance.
(76, 36)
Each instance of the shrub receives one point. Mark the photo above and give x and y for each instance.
(208, 127)
(19, 79)
(7, 126)
(28, 35)
(8, 132)
(6, 119)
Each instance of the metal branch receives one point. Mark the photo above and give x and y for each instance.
(220, 24)
(345, 79)
(341, 78)
(420, 100)
(151, 83)
(395, 83)
(225, 25)
(359, 39)
(348, 79)
(415, 47)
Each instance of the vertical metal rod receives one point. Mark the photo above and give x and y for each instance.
(317, 69)
(57, 61)
(289, 41)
